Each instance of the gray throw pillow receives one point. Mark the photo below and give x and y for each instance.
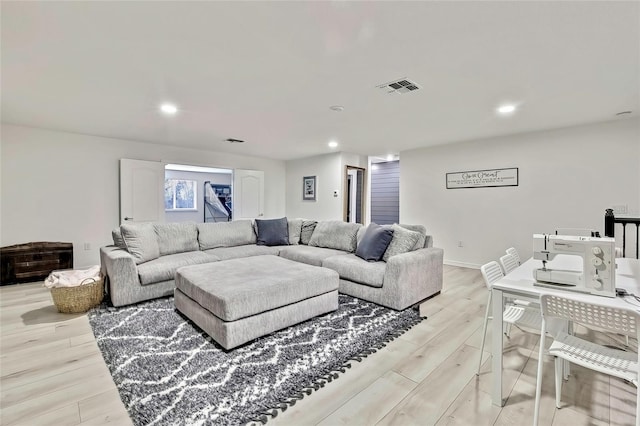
(335, 234)
(419, 229)
(403, 241)
(141, 241)
(273, 232)
(117, 238)
(374, 242)
(308, 226)
(295, 229)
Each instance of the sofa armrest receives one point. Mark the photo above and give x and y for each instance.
(415, 275)
(120, 268)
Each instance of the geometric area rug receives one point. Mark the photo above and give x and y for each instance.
(169, 372)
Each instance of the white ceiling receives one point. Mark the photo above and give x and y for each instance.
(267, 72)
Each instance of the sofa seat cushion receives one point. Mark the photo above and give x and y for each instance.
(308, 254)
(225, 253)
(351, 267)
(164, 268)
(235, 289)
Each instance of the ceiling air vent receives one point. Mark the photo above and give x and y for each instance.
(399, 86)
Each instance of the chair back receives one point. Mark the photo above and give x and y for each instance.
(615, 320)
(513, 252)
(508, 263)
(491, 272)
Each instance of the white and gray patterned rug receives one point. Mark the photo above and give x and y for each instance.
(169, 372)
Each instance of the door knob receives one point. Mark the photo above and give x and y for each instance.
(128, 218)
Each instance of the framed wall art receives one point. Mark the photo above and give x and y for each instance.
(309, 188)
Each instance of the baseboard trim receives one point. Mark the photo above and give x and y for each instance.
(462, 264)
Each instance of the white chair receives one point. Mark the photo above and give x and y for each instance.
(513, 252)
(508, 263)
(613, 362)
(513, 314)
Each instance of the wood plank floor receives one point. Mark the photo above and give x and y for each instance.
(52, 373)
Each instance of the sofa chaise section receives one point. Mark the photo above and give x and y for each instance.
(403, 281)
(123, 276)
(144, 266)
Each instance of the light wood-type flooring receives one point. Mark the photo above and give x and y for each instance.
(51, 372)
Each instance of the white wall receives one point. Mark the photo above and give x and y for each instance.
(58, 186)
(200, 178)
(329, 170)
(326, 169)
(568, 177)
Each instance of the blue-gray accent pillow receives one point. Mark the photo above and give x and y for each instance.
(374, 242)
(273, 232)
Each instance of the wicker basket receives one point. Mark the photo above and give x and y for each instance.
(78, 299)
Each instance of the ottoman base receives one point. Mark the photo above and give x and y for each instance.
(230, 334)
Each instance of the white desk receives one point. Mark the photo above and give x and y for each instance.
(519, 284)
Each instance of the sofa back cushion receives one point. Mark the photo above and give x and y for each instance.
(225, 234)
(295, 229)
(335, 234)
(176, 237)
(141, 241)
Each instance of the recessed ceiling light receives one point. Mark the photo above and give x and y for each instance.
(333, 144)
(506, 109)
(390, 157)
(336, 108)
(169, 109)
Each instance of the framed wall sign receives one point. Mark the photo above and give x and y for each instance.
(309, 188)
(483, 178)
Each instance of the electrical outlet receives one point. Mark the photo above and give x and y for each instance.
(460, 244)
(87, 246)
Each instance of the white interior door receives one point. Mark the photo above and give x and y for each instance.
(248, 194)
(141, 191)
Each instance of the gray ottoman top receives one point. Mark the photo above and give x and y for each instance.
(238, 288)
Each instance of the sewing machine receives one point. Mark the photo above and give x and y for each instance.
(598, 263)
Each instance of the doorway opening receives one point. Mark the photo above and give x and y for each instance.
(385, 191)
(204, 193)
(354, 200)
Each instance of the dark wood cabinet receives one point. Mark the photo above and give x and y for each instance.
(33, 261)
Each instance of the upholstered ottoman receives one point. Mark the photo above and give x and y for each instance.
(238, 300)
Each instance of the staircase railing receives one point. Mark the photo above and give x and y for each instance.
(609, 229)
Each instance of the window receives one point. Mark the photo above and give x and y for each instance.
(180, 195)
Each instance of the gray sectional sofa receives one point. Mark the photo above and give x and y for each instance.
(143, 261)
